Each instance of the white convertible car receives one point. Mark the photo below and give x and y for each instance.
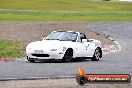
(64, 45)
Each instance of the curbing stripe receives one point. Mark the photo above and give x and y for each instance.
(119, 48)
(116, 43)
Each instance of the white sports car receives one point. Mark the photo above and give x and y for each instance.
(64, 45)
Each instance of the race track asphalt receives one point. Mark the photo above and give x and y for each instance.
(115, 63)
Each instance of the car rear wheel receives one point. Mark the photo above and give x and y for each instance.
(68, 56)
(30, 59)
(97, 54)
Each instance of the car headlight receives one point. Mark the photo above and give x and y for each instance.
(53, 49)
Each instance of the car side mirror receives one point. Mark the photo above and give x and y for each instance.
(90, 40)
(84, 40)
(44, 38)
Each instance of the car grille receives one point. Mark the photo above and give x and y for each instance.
(41, 55)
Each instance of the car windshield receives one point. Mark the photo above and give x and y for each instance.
(62, 36)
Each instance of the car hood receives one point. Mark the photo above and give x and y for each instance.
(46, 44)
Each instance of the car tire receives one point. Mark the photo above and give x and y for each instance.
(67, 56)
(97, 54)
(30, 59)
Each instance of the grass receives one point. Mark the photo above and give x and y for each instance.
(10, 49)
(54, 10)
(63, 16)
(72, 5)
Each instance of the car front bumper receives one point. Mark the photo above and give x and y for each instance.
(46, 55)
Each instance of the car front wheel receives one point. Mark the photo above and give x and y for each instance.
(68, 56)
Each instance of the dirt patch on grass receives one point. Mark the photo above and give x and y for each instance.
(26, 32)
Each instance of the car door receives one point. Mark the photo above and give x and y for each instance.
(81, 47)
(89, 46)
(89, 49)
(80, 50)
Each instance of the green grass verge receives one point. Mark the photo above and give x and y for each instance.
(10, 49)
(63, 16)
(47, 10)
(72, 5)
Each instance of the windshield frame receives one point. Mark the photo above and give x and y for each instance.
(63, 36)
